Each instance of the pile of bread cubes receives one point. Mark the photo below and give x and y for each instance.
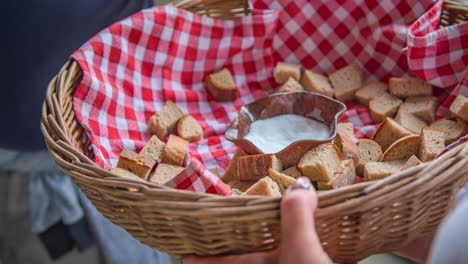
(408, 134)
(159, 162)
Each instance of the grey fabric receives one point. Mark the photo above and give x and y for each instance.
(52, 195)
(451, 242)
(116, 244)
(18, 245)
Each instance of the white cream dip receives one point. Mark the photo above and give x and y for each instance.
(273, 134)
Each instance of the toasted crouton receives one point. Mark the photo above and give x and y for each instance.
(136, 164)
(221, 85)
(453, 129)
(175, 150)
(345, 175)
(388, 132)
(290, 85)
(346, 129)
(231, 172)
(459, 107)
(411, 162)
(254, 167)
(125, 174)
(409, 87)
(283, 180)
(403, 148)
(284, 71)
(423, 107)
(432, 143)
(346, 82)
(153, 149)
(369, 91)
(320, 163)
(410, 121)
(369, 151)
(189, 129)
(384, 106)
(379, 170)
(165, 121)
(241, 185)
(265, 186)
(165, 173)
(293, 172)
(317, 83)
(349, 149)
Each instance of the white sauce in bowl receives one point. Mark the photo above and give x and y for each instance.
(273, 134)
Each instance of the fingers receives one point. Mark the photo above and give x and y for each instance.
(299, 240)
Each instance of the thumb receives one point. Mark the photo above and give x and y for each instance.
(299, 240)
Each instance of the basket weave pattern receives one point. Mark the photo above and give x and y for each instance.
(352, 222)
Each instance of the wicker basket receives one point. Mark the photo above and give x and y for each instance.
(353, 222)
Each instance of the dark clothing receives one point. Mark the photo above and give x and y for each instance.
(41, 35)
(60, 239)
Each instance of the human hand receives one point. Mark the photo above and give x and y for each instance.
(299, 240)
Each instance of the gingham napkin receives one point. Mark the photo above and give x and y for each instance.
(131, 68)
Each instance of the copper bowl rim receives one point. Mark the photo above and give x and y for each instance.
(233, 125)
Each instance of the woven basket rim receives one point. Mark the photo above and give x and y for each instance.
(60, 129)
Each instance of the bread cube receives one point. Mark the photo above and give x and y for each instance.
(189, 129)
(345, 175)
(293, 172)
(165, 173)
(165, 121)
(411, 162)
(284, 71)
(371, 90)
(283, 180)
(153, 149)
(403, 148)
(423, 107)
(320, 163)
(290, 85)
(453, 129)
(255, 167)
(136, 164)
(432, 143)
(388, 132)
(384, 106)
(379, 170)
(175, 150)
(317, 83)
(409, 87)
(460, 107)
(221, 85)
(410, 121)
(346, 82)
(369, 151)
(265, 186)
(346, 129)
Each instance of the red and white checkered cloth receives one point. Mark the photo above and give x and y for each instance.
(131, 68)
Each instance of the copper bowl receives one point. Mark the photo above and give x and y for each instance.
(311, 105)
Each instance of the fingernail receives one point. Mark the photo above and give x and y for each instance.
(302, 183)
